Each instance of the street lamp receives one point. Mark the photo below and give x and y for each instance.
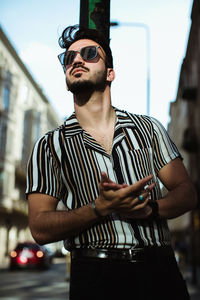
(147, 31)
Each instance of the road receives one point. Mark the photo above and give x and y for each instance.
(34, 284)
(47, 284)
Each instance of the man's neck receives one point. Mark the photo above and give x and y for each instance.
(97, 112)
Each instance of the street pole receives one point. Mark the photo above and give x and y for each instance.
(95, 14)
(147, 32)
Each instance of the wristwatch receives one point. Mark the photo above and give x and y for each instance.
(154, 206)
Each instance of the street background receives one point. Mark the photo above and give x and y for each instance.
(35, 39)
(33, 100)
(35, 284)
(51, 284)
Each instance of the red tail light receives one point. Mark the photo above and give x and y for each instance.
(22, 260)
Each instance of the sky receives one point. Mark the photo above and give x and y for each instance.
(34, 26)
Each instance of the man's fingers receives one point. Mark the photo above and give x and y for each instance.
(147, 189)
(142, 202)
(107, 183)
(113, 186)
(105, 178)
(139, 186)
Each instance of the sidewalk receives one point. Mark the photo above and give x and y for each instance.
(194, 290)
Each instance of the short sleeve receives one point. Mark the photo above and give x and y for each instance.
(43, 173)
(164, 149)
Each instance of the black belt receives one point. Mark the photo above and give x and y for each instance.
(133, 255)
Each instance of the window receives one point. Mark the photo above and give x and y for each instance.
(36, 133)
(6, 97)
(31, 134)
(3, 129)
(6, 91)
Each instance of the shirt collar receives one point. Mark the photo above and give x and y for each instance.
(123, 121)
(72, 126)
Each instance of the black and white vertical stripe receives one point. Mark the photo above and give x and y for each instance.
(67, 163)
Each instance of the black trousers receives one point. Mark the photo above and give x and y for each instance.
(100, 279)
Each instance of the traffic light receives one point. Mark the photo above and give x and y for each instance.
(95, 14)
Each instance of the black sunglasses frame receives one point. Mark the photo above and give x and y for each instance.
(63, 56)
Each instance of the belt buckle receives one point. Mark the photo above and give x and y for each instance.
(133, 254)
(102, 254)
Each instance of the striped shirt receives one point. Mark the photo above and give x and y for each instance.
(67, 162)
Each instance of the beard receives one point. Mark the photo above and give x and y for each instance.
(98, 83)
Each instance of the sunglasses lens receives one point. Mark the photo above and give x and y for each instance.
(89, 52)
(69, 57)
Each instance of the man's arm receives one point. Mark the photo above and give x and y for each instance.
(50, 225)
(181, 196)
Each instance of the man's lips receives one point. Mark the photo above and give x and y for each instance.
(77, 70)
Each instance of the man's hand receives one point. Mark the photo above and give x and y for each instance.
(123, 199)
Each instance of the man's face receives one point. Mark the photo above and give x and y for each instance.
(84, 75)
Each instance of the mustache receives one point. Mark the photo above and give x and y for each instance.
(78, 67)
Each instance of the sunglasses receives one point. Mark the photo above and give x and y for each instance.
(87, 53)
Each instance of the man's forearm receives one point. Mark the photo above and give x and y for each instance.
(53, 226)
(178, 201)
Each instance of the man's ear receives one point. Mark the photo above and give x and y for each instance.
(110, 74)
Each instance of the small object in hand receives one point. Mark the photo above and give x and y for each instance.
(141, 198)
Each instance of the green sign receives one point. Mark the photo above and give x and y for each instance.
(90, 10)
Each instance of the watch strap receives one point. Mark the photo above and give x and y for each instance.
(154, 206)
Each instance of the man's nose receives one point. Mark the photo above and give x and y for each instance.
(78, 59)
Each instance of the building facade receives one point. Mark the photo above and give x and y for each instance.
(25, 115)
(184, 127)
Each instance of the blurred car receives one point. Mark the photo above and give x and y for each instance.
(30, 255)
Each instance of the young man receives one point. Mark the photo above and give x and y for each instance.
(104, 164)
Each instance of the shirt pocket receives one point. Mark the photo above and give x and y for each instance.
(142, 162)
